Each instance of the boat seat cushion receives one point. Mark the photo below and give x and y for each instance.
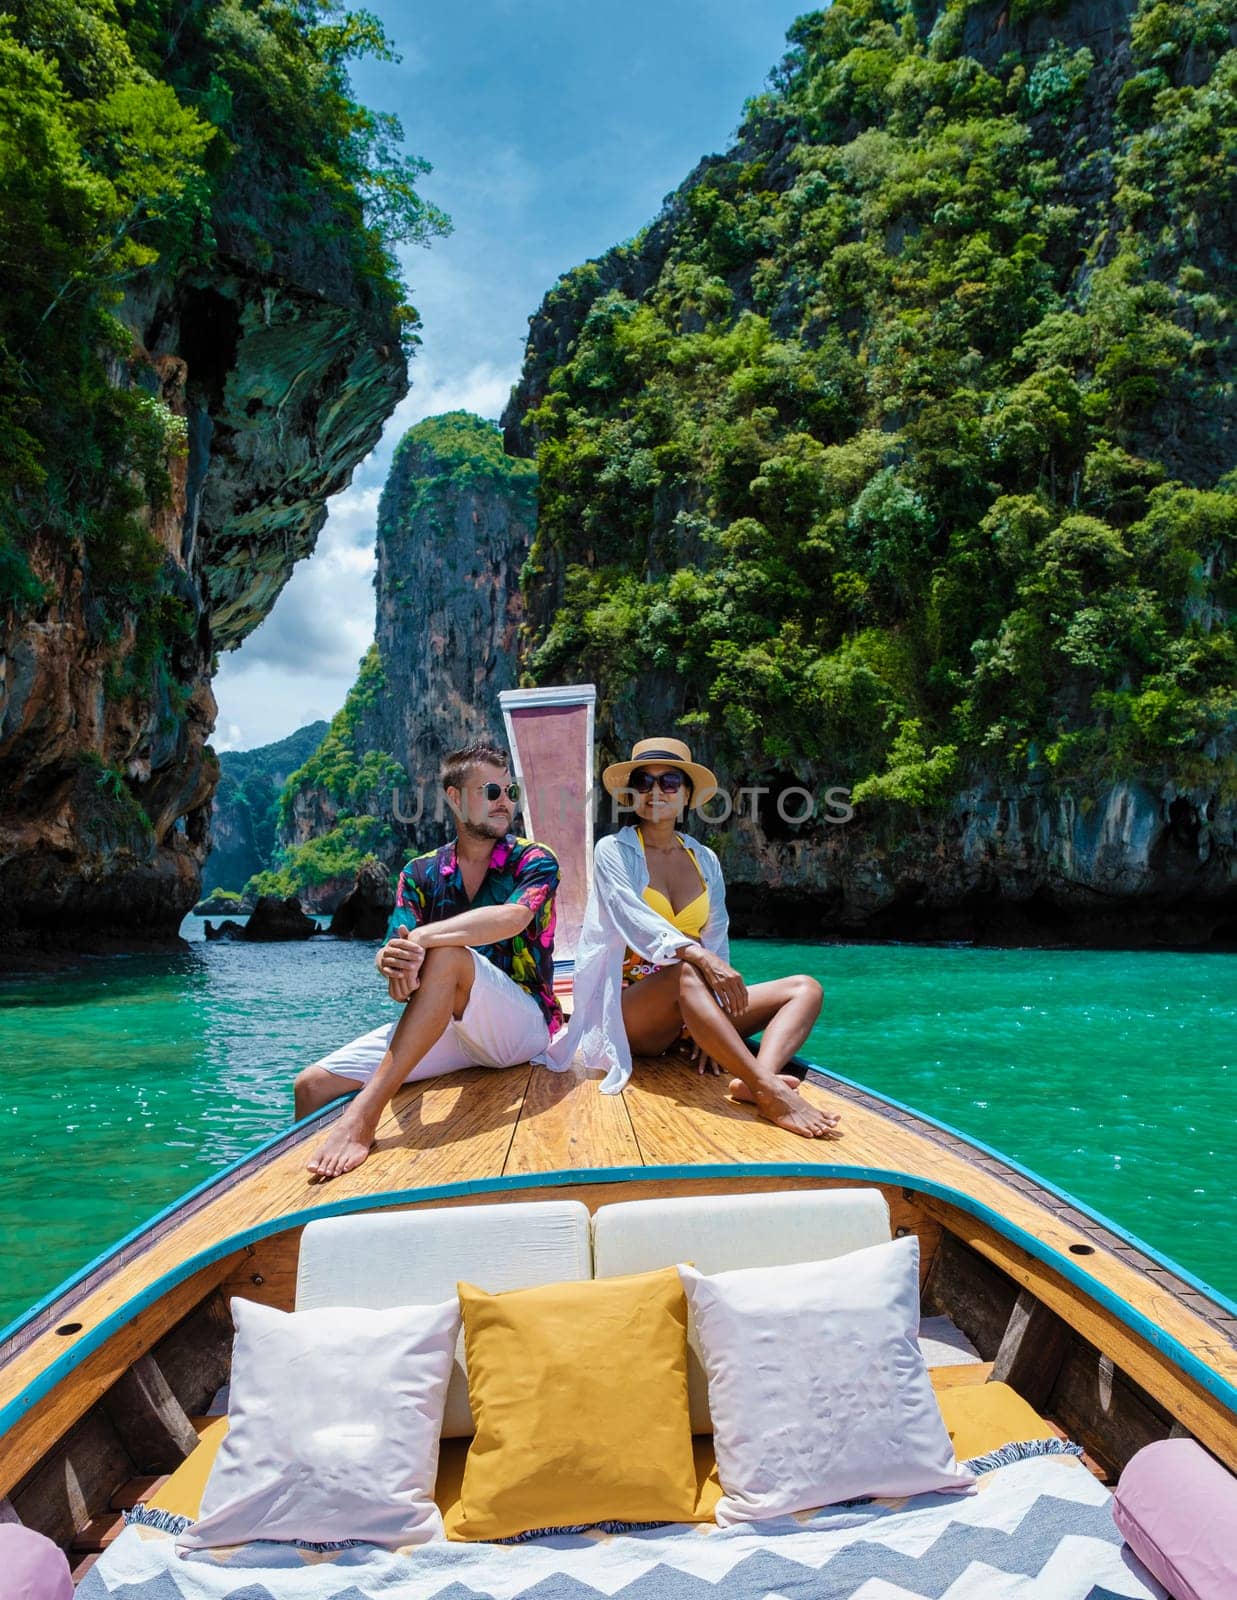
(394, 1258)
(580, 1396)
(34, 1568)
(722, 1232)
(982, 1417)
(813, 1370)
(334, 1420)
(979, 1418)
(943, 1344)
(1176, 1507)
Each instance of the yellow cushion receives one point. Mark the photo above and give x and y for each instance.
(182, 1493)
(984, 1416)
(453, 1453)
(579, 1393)
(980, 1417)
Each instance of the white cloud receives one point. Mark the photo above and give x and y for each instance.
(484, 389)
(299, 664)
(352, 516)
(268, 702)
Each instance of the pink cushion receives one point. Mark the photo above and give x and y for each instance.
(34, 1568)
(1176, 1507)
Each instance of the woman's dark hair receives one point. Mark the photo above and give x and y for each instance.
(681, 820)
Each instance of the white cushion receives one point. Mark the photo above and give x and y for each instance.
(943, 1344)
(396, 1258)
(721, 1232)
(333, 1427)
(816, 1384)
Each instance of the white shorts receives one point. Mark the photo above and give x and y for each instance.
(502, 1026)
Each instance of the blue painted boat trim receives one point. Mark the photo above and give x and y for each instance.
(226, 1172)
(1157, 1256)
(1212, 1382)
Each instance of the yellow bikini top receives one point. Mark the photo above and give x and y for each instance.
(689, 919)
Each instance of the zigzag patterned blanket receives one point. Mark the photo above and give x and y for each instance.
(1038, 1529)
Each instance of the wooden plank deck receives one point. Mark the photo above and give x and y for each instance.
(481, 1125)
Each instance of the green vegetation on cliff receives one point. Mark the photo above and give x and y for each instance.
(138, 140)
(453, 453)
(335, 769)
(344, 782)
(245, 807)
(453, 524)
(912, 453)
(335, 855)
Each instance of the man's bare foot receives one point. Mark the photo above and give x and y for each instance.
(794, 1113)
(343, 1149)
(738, 1090)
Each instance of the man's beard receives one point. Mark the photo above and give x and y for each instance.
(488, 828)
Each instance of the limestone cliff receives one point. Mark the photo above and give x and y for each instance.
(105, 789)
(455, 523)
(202, 332)
(205, 337)
(454, 527)
(898, 455)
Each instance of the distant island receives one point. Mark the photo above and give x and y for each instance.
(245, 810)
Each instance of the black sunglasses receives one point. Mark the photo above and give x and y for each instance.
(493, 790)
(667, 782)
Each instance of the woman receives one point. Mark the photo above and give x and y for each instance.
(653, 963)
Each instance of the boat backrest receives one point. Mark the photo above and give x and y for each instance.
(719, 1233)
(401, 1258)
(551, 735)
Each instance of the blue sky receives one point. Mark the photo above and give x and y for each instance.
(555, 129)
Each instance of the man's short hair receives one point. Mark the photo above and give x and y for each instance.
(459, 763)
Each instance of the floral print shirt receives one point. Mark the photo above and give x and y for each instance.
(431, 889)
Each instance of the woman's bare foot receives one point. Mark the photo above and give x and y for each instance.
(792, 1112)
(344, 1148)
(738, 1090)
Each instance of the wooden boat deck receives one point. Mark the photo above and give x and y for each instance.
(502, 1130)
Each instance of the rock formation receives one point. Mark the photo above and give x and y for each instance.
(239, 330)
(805, 498)
(455, 523)
(454, 527)
(366, 909)
(273, 918)
(106, 798)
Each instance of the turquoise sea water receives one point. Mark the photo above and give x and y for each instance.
(1113, 1074)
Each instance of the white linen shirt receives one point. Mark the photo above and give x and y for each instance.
(617, 918)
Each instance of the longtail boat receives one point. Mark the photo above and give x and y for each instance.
(107, 1383)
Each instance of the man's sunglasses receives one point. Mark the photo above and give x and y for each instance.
(493, 790)
(667, 782)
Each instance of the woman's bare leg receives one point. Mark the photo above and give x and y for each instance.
(786, 1009)
(654, 1011)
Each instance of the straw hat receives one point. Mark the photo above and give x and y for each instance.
(662, 752)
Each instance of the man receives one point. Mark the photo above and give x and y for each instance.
(469, 949)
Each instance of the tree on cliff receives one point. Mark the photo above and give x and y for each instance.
(903, 441)
(202, 331)
(134, 138)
